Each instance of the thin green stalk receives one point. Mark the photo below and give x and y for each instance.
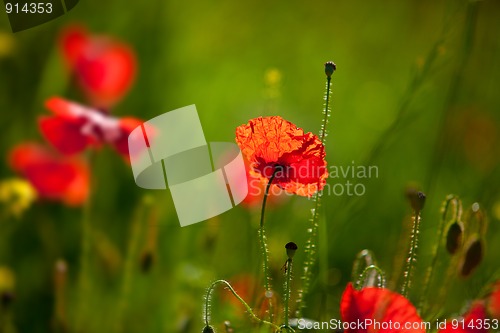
(451, 200)
(288, 280)
(412, 255)
(263, 247)
(442, 138)
(86, 244)
(130, 261)
(208, 297)
(310, 248)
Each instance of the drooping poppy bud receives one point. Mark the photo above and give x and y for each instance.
(454, 237)
(472, 257)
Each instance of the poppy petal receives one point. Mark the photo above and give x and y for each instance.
(64, 135)
(106, 73)
(54, 177)
(271, 142)
(494, 302)
(380, 305)
(127, 125)
(73, 42)
(472, 321)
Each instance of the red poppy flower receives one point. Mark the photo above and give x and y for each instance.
(384, 310)
(53, 176)
(472, 322)
(74, 127)
(104, 68)
(273, 145)
(494, 302)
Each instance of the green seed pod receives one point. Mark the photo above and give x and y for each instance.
(291, 247)
(472, 257)
(454, 237)
(330, 67)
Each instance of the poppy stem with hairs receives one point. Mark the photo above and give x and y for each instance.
(208, 297)
(290, 247)
(330, 68)
(417, 201)
(263, 245)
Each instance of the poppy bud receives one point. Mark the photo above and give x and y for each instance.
(416, 198)
(454, 237)
(473, 256)
(291, 247)
(330, 67)
(208, 329)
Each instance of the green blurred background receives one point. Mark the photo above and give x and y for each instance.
(416, 93)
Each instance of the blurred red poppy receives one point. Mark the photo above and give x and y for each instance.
(74, 127)
(494, 302)
(472, 322)
(53, 176)
(104, 68)
(273, 145)
(387, 311)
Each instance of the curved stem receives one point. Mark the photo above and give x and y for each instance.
(364, 276)
(456, 204)
(263, 245)
(238, 297)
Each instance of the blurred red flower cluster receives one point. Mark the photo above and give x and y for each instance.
(104, 70)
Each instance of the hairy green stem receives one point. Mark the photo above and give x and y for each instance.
(264, 248)
(412, 254)
(86, 244)
(206, 315)
(457, 211)
(363, 277)
(140, 216)
(313, 230)
(288, 280)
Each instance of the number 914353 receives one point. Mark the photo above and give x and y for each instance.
(29, 8)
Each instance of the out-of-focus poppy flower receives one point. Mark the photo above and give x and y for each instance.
(387, 310)
(273, 145)
(494, 302)
(104, 68)
(74, 127)
(53, 176)
(16, 195)
(472, 322)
